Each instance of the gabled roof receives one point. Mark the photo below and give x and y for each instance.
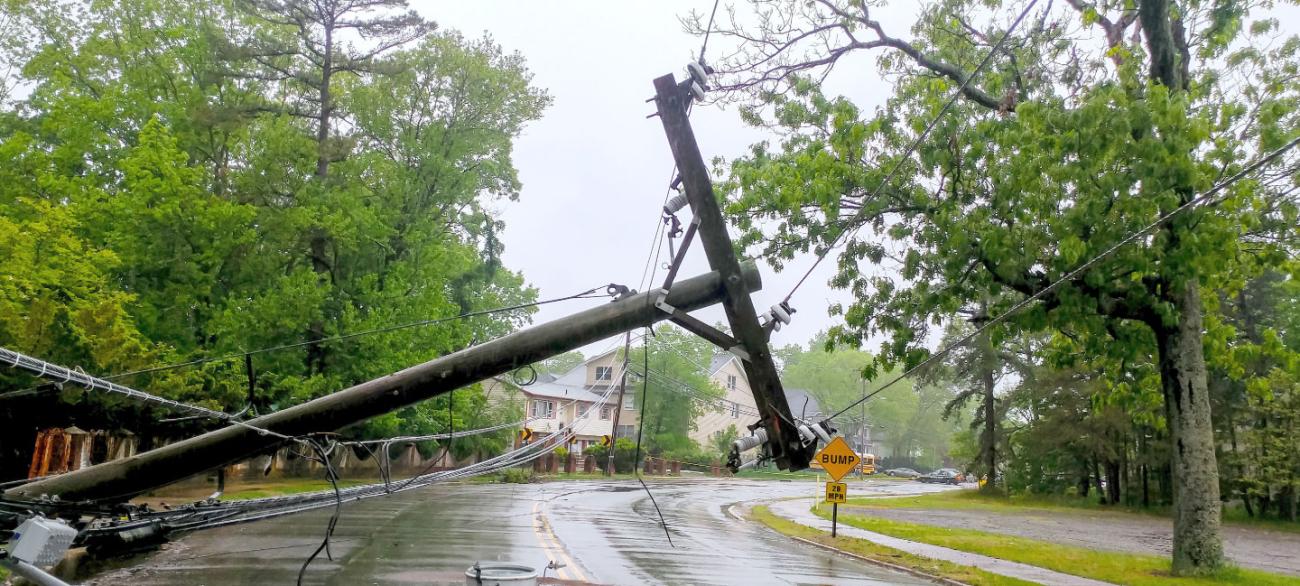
(552, 390)
(570, 386)
(577, 376)
(720, 360)
(797, 397)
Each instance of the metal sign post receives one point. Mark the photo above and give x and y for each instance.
(836, 493)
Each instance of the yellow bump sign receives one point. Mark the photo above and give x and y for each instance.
(836, 492)
(837, 458)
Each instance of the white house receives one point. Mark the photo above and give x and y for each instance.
(553, 404)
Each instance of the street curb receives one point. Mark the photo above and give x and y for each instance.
(895, 567)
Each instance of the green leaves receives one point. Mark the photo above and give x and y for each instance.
(160, 199)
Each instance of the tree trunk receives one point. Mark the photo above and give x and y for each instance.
(318, 239)
(1286, 504)
(1096, 479)
(990, 437)
(1197, 546)
(1112, 481)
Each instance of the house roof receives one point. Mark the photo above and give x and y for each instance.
(554, 390)
(571, 385)
(577, 376)
(796, 399)
(720, 360)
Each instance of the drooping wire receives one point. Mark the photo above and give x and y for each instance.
(1260, 162)
(911, 148)
(636, 461)
(330, 473)
(63, 374)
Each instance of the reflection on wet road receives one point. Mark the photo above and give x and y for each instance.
(603, 532)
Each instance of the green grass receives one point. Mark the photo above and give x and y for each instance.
(867, 549)
(1116, 567)
(284, 487)
(975, 500)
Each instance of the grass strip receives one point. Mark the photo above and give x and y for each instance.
(1114, 567)
(975, 500)
(880, 553)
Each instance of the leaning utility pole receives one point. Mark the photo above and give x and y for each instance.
(622, 388)
(750, 341)
(120, 480)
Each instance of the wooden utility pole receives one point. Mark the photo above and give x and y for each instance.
(120, 480)
(622, 388)
(750, 339)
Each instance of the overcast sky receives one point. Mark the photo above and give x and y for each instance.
(594, 168)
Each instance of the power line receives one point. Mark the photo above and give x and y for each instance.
(63, 374)
(911, 148)
(1266, 159)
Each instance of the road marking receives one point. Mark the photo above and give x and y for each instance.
(550, 541)
(546, 545)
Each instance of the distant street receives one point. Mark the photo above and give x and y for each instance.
(604, 533)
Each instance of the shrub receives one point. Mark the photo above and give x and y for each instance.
(515, 476)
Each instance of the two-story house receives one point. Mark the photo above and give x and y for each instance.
(737, 406)
(556, 403)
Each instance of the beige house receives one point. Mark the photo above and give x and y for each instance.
(553, 404)
(737, 405)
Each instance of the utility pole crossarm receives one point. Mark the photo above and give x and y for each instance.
(784, 443)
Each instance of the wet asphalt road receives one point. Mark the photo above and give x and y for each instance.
(604, 533)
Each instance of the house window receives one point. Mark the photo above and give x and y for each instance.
(735, 410)
(606, 412)
(629, 401)
(543, 409)
(731, 382)
(583, 408)
(604, 373)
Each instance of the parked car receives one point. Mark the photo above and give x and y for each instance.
(902, 472)
(961, 476)
(941, 476)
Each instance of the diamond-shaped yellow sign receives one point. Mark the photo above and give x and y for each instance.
(837, 458)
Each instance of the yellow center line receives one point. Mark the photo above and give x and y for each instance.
(545, 534)
(543, 538)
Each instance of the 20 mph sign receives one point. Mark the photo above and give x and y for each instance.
(837, 458)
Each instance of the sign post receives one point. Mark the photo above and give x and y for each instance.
(836, 493)
(838, 459)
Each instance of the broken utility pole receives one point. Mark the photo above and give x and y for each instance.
(750, 341)
(120, 480)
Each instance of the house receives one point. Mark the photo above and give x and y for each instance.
(556, 403)
(737, 406)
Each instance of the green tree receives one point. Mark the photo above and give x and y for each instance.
(1059, 149)
(678, 392)
(179, 169)
(907, 417)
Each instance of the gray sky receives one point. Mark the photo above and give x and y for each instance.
(594, 168)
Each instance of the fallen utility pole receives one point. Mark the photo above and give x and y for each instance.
(750, 341)
(119, 480)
